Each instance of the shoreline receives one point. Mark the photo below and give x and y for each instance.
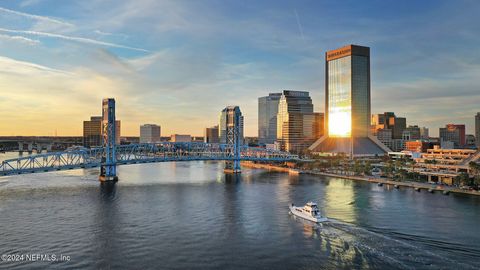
(387, 181)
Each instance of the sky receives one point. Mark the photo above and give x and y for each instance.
(179, 63)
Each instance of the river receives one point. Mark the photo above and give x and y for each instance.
(189, 215)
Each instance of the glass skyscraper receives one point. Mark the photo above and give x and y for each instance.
(267, 118)
(348, 91)
(347, 103)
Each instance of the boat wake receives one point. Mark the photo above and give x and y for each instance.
(350, 245)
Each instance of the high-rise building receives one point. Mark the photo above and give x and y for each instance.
(150, 133)
(211, 135)
(347, 104)
(388, 120)
(477, 129)
(453, 133)
(267, 118)
(228, 120)
(424, 133)
(413, 133)
(297, 125)
(92, 132)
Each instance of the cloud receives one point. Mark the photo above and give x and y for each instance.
(27, 3)
(72, 38)
(12, 66)
(20, 39)
(102, 33)
(36, 17)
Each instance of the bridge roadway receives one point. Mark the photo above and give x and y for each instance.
(138, 153)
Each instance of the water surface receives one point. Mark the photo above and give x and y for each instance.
(189, 215)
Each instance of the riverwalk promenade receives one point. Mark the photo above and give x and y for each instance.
(382, 181)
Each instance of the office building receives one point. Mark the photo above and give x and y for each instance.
(477, 129)
(347, 104)
(229, 118)
(211, 135)
(453, 133)
(297, 125)
(388, 120)
(424, 133)
(150, 133)
(180, 138)
(411, 133)
(92, 132)
(267, 118)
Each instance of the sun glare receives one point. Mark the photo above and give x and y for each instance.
(339, 124)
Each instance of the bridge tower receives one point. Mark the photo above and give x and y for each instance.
(232, 129)
(108, 170)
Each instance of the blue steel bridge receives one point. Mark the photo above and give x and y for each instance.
(111, 155)
(138, 153)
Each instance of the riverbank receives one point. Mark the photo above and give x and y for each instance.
(384, 181)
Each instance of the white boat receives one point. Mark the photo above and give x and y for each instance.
(309, 212)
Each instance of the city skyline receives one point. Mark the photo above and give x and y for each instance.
(181, 69)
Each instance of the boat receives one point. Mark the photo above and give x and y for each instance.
(309, 212)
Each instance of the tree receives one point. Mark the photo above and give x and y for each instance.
(367, 169)
(475, 171)
(357, 167)
(462, 179)
(389, 168)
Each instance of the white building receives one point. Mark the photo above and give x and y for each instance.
(150, 133)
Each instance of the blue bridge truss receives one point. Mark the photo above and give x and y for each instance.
(139, 153)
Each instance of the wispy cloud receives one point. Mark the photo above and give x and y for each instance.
(20, 39)
(10, 65)
(72, 38)
(35, 17)
(300, 28)
(102, 33)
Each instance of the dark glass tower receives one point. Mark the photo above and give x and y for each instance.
(347, 104)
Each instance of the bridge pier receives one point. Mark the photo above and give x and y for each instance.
(107, 177)
(232, 167)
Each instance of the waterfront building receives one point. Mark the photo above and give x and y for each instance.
(267, 118)
(180, 138)
(92, 132)
(453, 133)
(228, 120)
(150, 133)
(297, 125)
(443, 165)
(211, 135)
(477, 129)
(347, 104)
